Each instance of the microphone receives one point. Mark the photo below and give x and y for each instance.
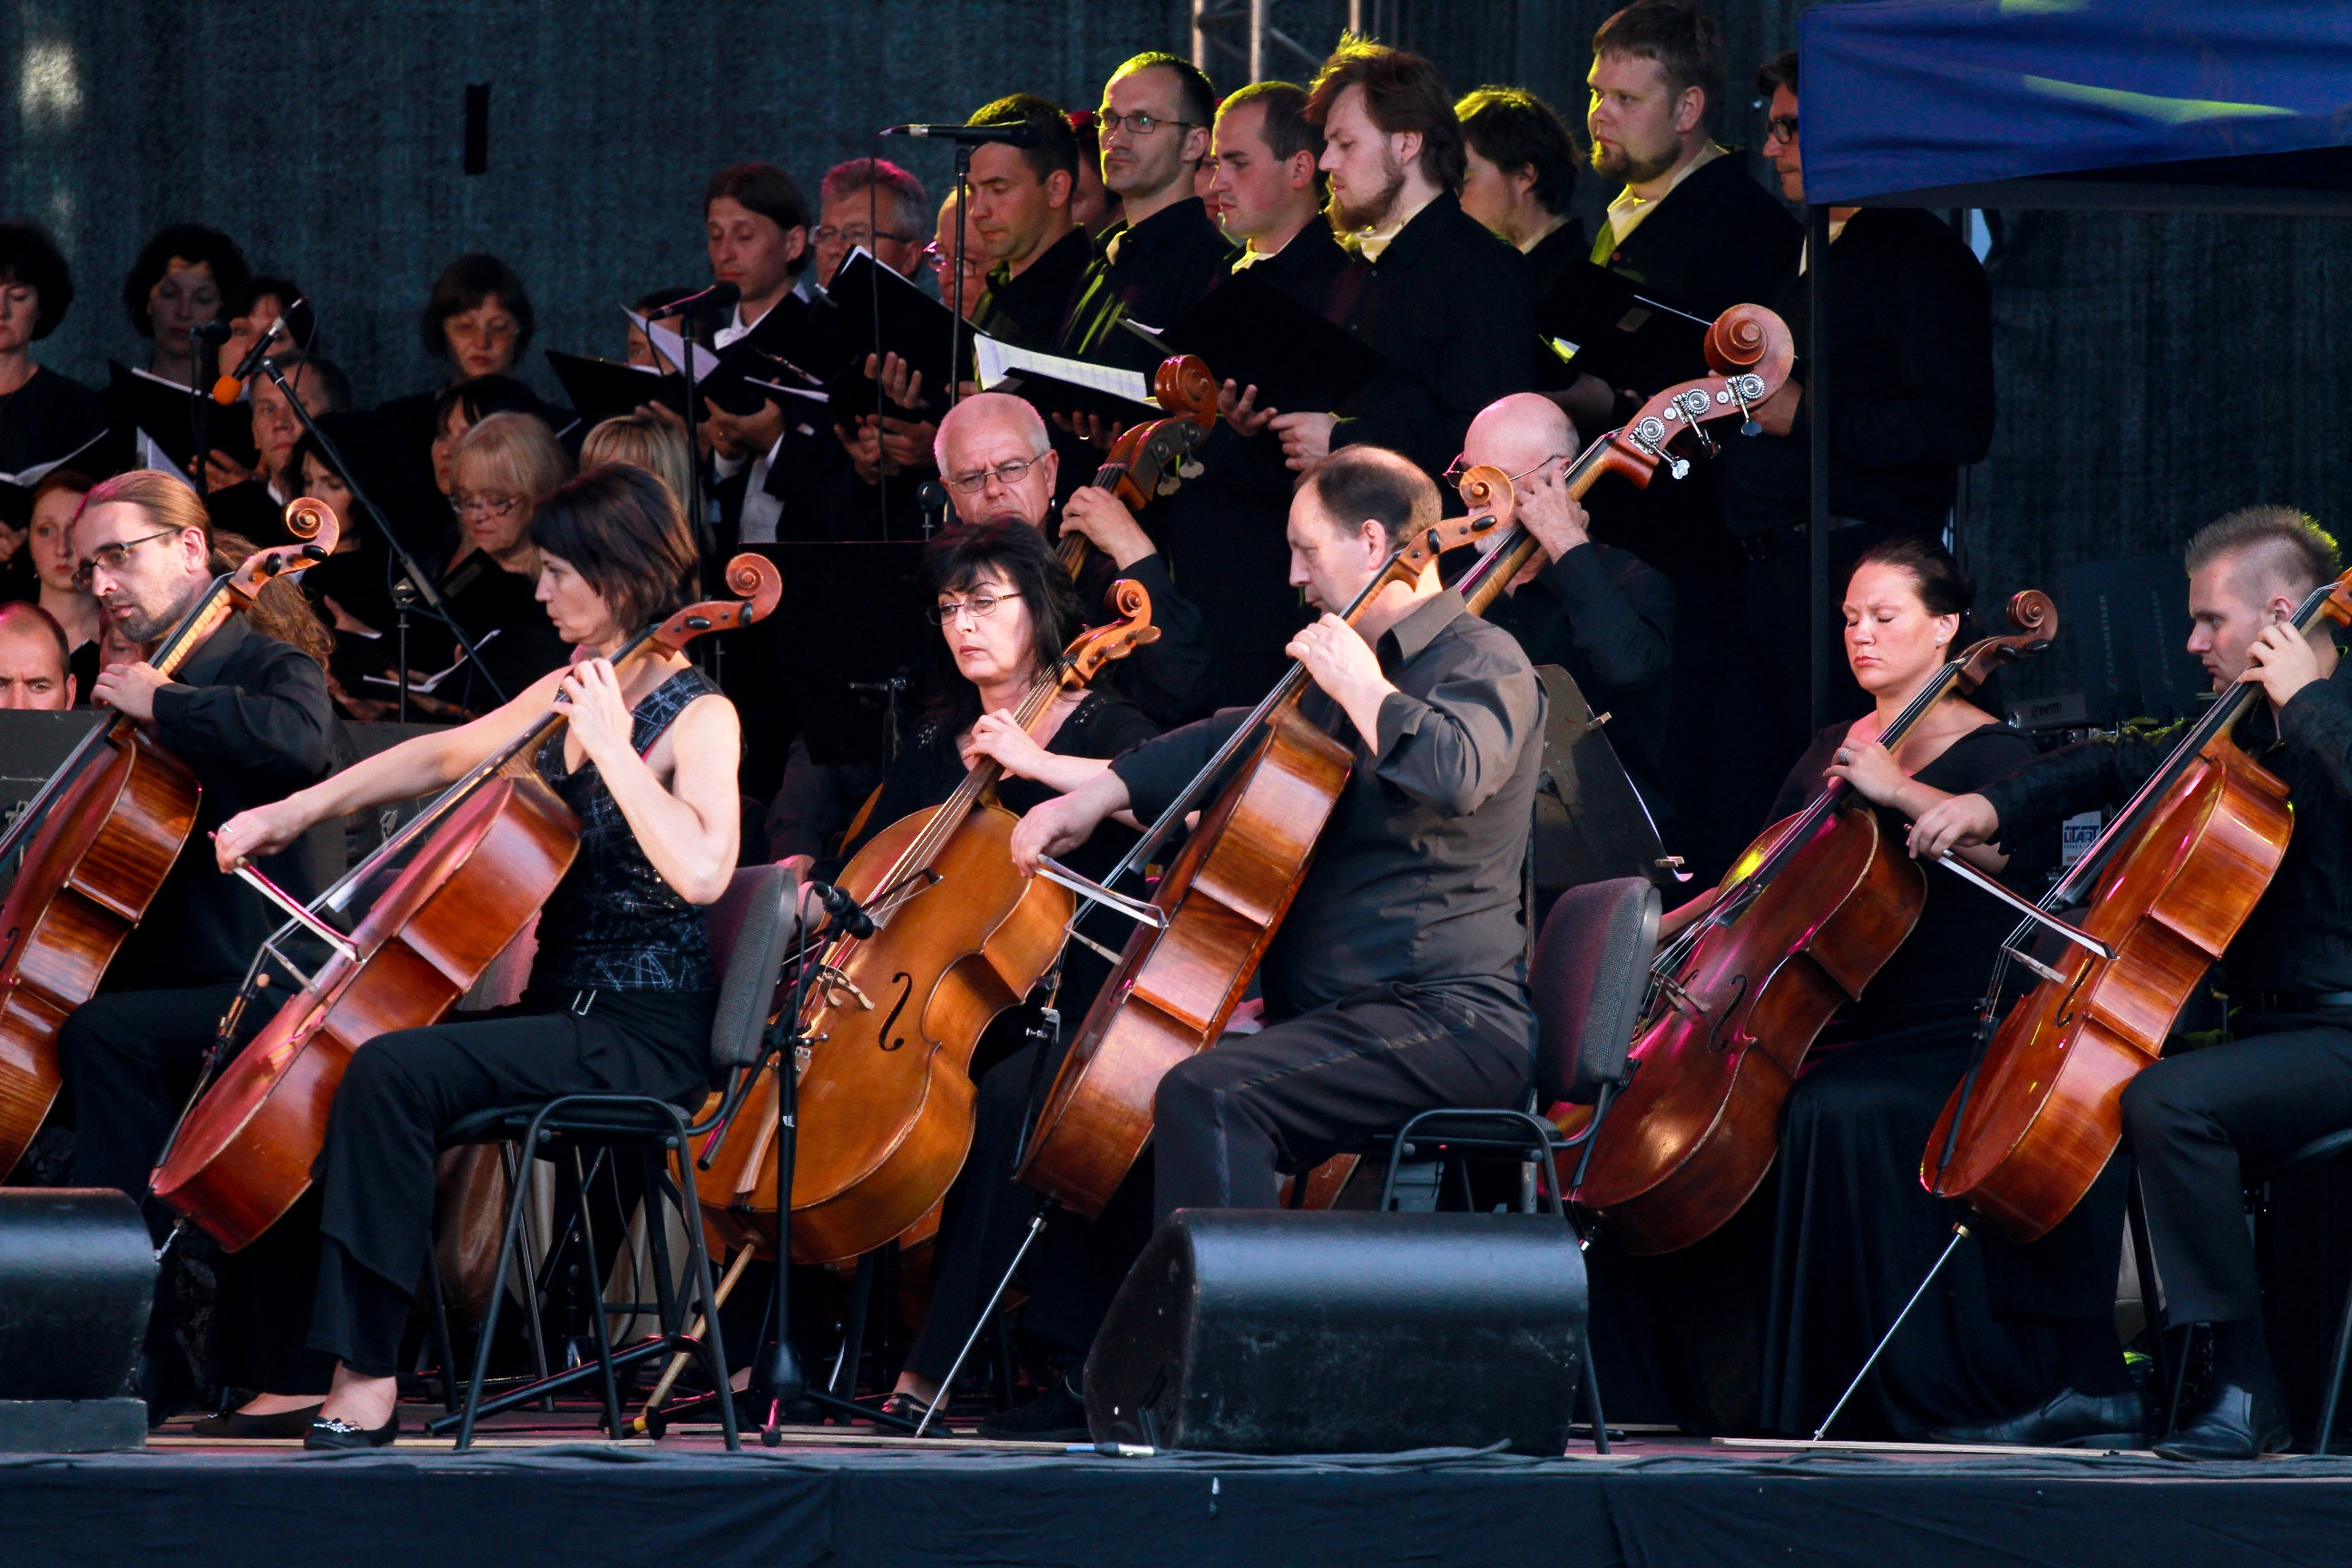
(209, 332)
(845, 910)
(225, 389)
(718, 297)
(1014, 133)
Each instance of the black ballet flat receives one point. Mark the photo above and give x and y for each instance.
(234, 1423)
(331, 1436)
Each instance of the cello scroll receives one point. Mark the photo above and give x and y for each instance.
(757, 586)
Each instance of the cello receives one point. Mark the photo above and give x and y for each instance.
(1148, 459)
(2168, 883)
(442, 899)
(1805, 917)
(104, 830)
(885, 1091)
(1216, 909)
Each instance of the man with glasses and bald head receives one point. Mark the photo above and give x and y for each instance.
(998, 466)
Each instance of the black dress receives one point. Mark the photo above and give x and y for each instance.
(1761, 1326)
(48, 417)
(620, 1001)
(985, 1213)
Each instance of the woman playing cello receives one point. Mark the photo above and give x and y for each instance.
(621, 992)
(1005, 607)
(1825, 1254)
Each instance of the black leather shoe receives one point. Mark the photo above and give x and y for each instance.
(237, 1423)
(2069, 1420)
(331, 1435)
(1058, 1415)
(2234, 1423)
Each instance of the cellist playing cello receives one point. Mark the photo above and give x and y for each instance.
(622, 991)
(1398, 982)
(2195, 1124)
(250, 718)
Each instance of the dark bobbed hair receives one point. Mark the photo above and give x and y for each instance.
(956, 558)
(1775, 73)
(1402, 92)
(29, 257)
(1057, 145)
(767, 190)
(190, 242)
(1353, 484)
(622, 529)
(463, 285)
(2290, 545)
(1513, 128)
(1685, 41)
(1197, 99)
(482, 396)
(1286, 127)
(301, 325)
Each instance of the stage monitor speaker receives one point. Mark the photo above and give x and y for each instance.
(1289, 1331)
(76, 1280)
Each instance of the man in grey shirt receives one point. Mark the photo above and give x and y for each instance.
(1398, 982)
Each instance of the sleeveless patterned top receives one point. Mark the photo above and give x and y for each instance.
(612, 923)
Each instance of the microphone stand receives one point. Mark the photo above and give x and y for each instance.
(955, 306)
(200, 400)
(420, 582)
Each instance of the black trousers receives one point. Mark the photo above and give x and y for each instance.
(1230, 1122)
(374, 1173)
(1072, 1271)
(2197, 1125)
(130, 1058)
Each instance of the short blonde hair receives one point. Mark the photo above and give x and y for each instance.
(644, 442)
(516, 450)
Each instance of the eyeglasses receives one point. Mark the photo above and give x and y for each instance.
(1139, 124)
(980, 605)
(828, 234)
(1781, 127)
(1462, 465)
(975, 262)
(501, 509)
(1005, 474)
(114, 557)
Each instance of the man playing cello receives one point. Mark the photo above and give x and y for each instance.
(2194, 1124)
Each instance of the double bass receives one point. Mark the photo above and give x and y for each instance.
(1217, 907)
(438, 902)
(2167, 884)
(1807, 915)
(104, 830)
(892, 1018)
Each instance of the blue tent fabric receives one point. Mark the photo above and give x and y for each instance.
(1902, 96)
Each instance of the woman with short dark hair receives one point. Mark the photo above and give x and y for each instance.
(622, 989)
(183, 277)
(1005, 609)
(43, 416)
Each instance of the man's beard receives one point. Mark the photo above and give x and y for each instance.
(1625, 168)
(1376, 211)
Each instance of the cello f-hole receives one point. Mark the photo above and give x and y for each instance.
(906, 983)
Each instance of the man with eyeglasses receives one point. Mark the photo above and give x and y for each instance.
(873, 205)
(1000, 466)
(1165, 253)
(1597, 612)
(249, 717)
(1911, 384)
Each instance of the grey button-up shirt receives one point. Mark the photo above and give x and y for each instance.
(1417, 877)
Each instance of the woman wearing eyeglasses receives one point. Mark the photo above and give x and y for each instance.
(502, 467)
(1005, 609)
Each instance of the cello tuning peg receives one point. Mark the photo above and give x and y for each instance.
(1169, 484)
(1190, 468)
(1679, 468)
(1750, 427)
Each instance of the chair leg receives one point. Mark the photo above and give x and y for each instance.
(2336, 1374)
(595, 1289)
(844, 1381)
(714, 1348)
(1593, 1396)
(518, 1195)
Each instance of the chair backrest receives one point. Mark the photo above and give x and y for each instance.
(1592, 964)
(751, 926)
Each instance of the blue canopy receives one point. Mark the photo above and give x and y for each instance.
(2239, 105)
